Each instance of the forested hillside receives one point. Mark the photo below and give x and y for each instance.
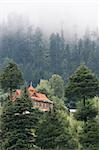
(49, 75)
(40, 55)
(26, 127)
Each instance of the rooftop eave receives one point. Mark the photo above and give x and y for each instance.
(45, 101)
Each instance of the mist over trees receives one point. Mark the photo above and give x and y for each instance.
(40, 55)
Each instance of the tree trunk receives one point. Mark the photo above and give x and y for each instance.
(84, 101)
(11, 93)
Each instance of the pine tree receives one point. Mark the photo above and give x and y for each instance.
(83, 84)
(11, 77)
(87, 112)
(89, 138)
(17, 124)
(38, 56)
(53, 132)
(56, 52)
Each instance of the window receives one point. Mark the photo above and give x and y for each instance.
(44, 105)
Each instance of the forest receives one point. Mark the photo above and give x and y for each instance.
(23, 127)
(66, 71)
(40, 55)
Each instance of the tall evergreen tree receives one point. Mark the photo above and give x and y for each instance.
(56, 52)
(83, 84)
(53, 132)
(17, 124)
(11, 77)
(89, 137)
(87, 112)
(66, 62)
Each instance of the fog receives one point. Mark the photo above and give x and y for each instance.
(53, 15)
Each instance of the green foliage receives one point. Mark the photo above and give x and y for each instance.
(11, 77)
(96, 104)
(57, 84)
(33, 50)
(87, 112)
(53, 132)
(56, 48)
(45, 88)
(40, 55)
(75, 128)
(17, 121)
(3, 97)
(89, 138)
(83, 84)
(54, 87)
(59, 103)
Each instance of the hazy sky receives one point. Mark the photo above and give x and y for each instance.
(52, 15)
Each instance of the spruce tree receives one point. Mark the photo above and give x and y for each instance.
(83, 84)
(11, 77)
(53, 132)
(87, 112)
(17, 125)
(56, 49)
(89, 138)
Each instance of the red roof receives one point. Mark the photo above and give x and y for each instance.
(33, 94)
(31, 90)
(40, 97)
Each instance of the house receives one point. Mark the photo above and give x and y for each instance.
(39, 100)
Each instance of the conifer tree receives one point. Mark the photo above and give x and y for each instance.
(87, 112)
(89, 138)
(53, 132)
(17, 124)
(11, 77)
(83, 84)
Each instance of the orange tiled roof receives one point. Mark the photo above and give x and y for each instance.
(40, 97)
(33, 94)
(31, 89)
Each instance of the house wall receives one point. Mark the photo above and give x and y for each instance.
(41, 105)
